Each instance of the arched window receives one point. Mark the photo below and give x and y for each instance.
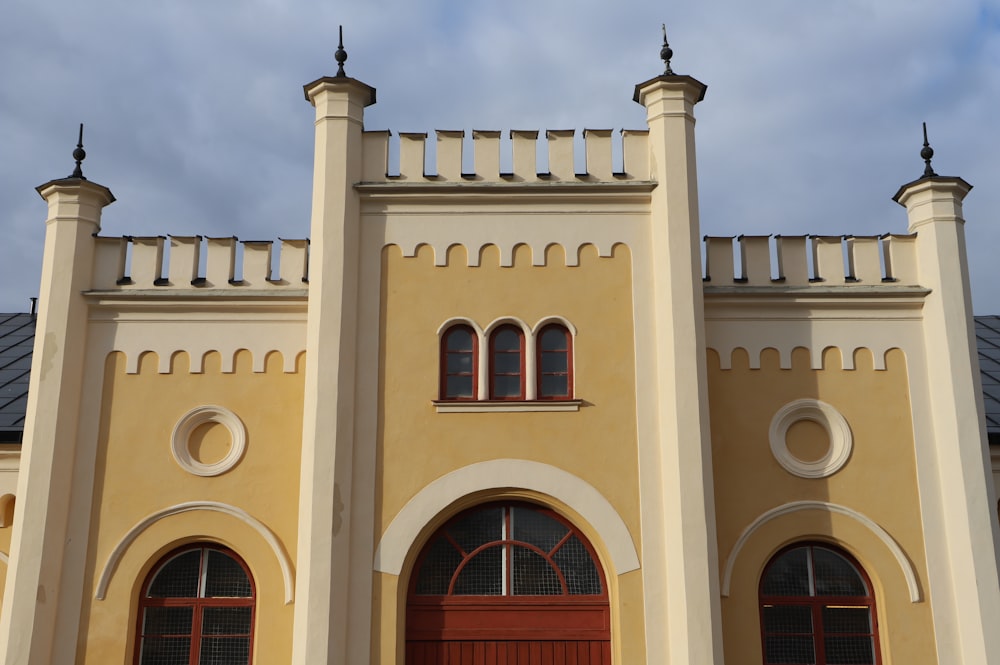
(555, 363)
(817, 607)
(196, 608)
(507, 363)
(458, 363)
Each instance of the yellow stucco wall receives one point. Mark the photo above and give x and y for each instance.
(878, 481)
(136, 476)
(597, 444)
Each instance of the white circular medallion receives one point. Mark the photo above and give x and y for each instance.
(180, 440)
(829, 419)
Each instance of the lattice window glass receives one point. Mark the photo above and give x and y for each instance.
(535, 528)
(534, 575)
(482, 575)
(554, 362)
(506, 364)
(459, 364)
(577, 566)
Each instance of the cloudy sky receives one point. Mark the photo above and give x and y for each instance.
(195, 117)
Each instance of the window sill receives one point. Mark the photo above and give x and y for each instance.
(486, 406)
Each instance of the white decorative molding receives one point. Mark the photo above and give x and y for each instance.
(821, 413)
(191, 506)
(180, 439)
(796, 506)
(4, 558)
(502, 406)
(576, 493)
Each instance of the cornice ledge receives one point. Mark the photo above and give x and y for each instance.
(451, 188)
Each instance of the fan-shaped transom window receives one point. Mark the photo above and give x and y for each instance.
(508, 550)
(196, 608)
(817, 608)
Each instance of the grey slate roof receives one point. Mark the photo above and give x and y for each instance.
(17, 338)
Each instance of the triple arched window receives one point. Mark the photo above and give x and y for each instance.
(817, 607)
(518, 365)
(196, 608)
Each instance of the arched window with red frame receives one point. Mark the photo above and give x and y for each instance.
(554, 351)
(817, 607)
(459, 362)
(196, 608)
(507, 363)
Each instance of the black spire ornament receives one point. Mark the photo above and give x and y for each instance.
(666, 53)
(926, 153)
(341, 55)
(79, 155)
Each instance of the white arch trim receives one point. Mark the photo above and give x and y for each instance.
(190, 506)
(506, 474)
(795, 506)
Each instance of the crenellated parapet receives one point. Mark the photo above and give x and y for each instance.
(810, 260)
(490, 150)
(193, 262)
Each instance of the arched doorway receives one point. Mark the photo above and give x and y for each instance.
(511, 584)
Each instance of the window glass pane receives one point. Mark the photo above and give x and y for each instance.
(789, 649)
(477, 528)
(225, 651)
(788, 575)
(458, 386)
(225, 621)
(847, 620)
(849, 650)
(165, 651)
(835, 575)
(459, 363)
(178, 578)
(482, 575)
(506, 386)
(459, 339)
(507, 363)
(167, 621)
(438, 567)
(226, 577)
(506, 339)
(535, 528)
(554, 362)
(554, 385)
(553, 339)
(533, 576)
(788, 619)
(577, 566)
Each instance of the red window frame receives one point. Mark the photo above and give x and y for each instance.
(816, 605)
(473, 374)
(539, 365)
(493, 358)
(198, 604)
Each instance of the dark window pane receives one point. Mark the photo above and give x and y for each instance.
(167, 621)
(225, 651)
(577, 566)
(788, 575)
(533, 576)
(459, 339)
(459, 363)
(506, 339)
(835, 575)
(506, 386)
(535, 528)
(477, 528)
(226, 577)
(225, 621)
(554, 363)
(178, 578)
(847, 620)
(555, 386)
(507, 363)
(788, 619)
(553, 339)
(482, 575)
(165, 651)
(438, 567)
(458, 386)
(780, 649)
(849, 651)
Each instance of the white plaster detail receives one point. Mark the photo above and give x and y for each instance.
(190, 506)
(4, 558)
(180, 439)
(821, 413)
(909, 574)
(554, 319)
(487, 406)
(579, 495)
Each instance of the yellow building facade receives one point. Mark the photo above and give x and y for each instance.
(506, 416)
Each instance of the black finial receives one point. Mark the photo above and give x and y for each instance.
(926, 153)
(79, 155)
(341, 55)
(666, 53)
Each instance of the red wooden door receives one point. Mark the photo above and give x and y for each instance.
(508, 584)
